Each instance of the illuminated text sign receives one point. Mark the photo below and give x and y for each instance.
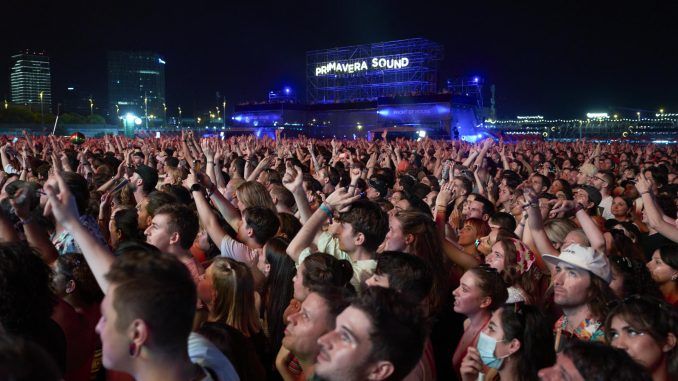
(351, 67)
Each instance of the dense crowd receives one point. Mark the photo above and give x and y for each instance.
(186, 258)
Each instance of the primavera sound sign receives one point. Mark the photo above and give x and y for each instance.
(364, 65)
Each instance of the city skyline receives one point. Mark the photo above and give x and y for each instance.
(559, 61)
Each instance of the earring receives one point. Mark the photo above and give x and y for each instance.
(132, 349)
(674, 276)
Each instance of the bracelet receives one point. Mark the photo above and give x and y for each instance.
(645, 192)
(210, 162)
(351, 186)
(325, 208)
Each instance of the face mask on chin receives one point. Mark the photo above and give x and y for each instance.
(486, 347)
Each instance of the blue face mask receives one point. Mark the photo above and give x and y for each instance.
(486, 347)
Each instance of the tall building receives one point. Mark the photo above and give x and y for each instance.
(31, 81)
(136, 85)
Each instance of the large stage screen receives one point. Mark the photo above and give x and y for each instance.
(366, 72)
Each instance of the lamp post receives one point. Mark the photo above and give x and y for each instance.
(91, 106)
(179, 116)
(224, 105)
(117, 111)
(42, 110)
(146, 110)
(164, 109)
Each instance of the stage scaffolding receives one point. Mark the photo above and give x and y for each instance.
(420, 76)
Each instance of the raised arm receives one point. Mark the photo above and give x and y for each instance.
(339, 200)
(293, 181)
(208, 220)
(452, 250)
(534, 222)
(654, 215)
(65, 211)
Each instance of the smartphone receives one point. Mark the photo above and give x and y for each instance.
(15, 140)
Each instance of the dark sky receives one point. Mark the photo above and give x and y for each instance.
(555, 58)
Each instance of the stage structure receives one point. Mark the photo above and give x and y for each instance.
(367, 72)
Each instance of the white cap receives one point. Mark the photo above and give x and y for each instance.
(585, 258)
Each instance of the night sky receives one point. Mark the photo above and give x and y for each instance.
(554, 58)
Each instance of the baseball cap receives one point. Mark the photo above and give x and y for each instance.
(594, 194)
(379, 185)
(585, 258)
(148, 174)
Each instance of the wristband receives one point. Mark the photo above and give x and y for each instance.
(210, 191)
(645, 192)
(325, 208)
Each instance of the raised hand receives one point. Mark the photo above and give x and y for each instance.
(207, 150)
(61, 204)
(642, 184)
(293, 179)
(340, 200)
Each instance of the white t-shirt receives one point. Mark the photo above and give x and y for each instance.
(235, 250)
(606, 204)
(328, 244)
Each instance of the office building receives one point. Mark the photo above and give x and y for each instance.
(31, 81)
(136, 85)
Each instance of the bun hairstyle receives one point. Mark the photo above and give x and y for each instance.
(491, 284)
(322, 269)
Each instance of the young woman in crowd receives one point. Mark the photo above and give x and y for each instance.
(227, 289)
(278, 290)
(646, 328)
(664, 270)
(515, 345)
(480, 292)
(516, 264)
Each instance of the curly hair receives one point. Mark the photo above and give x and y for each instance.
(636, 277)
(26, 296)
(75, 268)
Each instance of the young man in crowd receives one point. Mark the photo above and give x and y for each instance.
(380, 336)
(362, 228)
(316, 317)
(173, 230)
(581, 289)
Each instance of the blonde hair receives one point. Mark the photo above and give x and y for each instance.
(253, 193)
(557, 229)
(233, 303)
(174, 175)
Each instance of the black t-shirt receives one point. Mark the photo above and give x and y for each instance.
(243, 352)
